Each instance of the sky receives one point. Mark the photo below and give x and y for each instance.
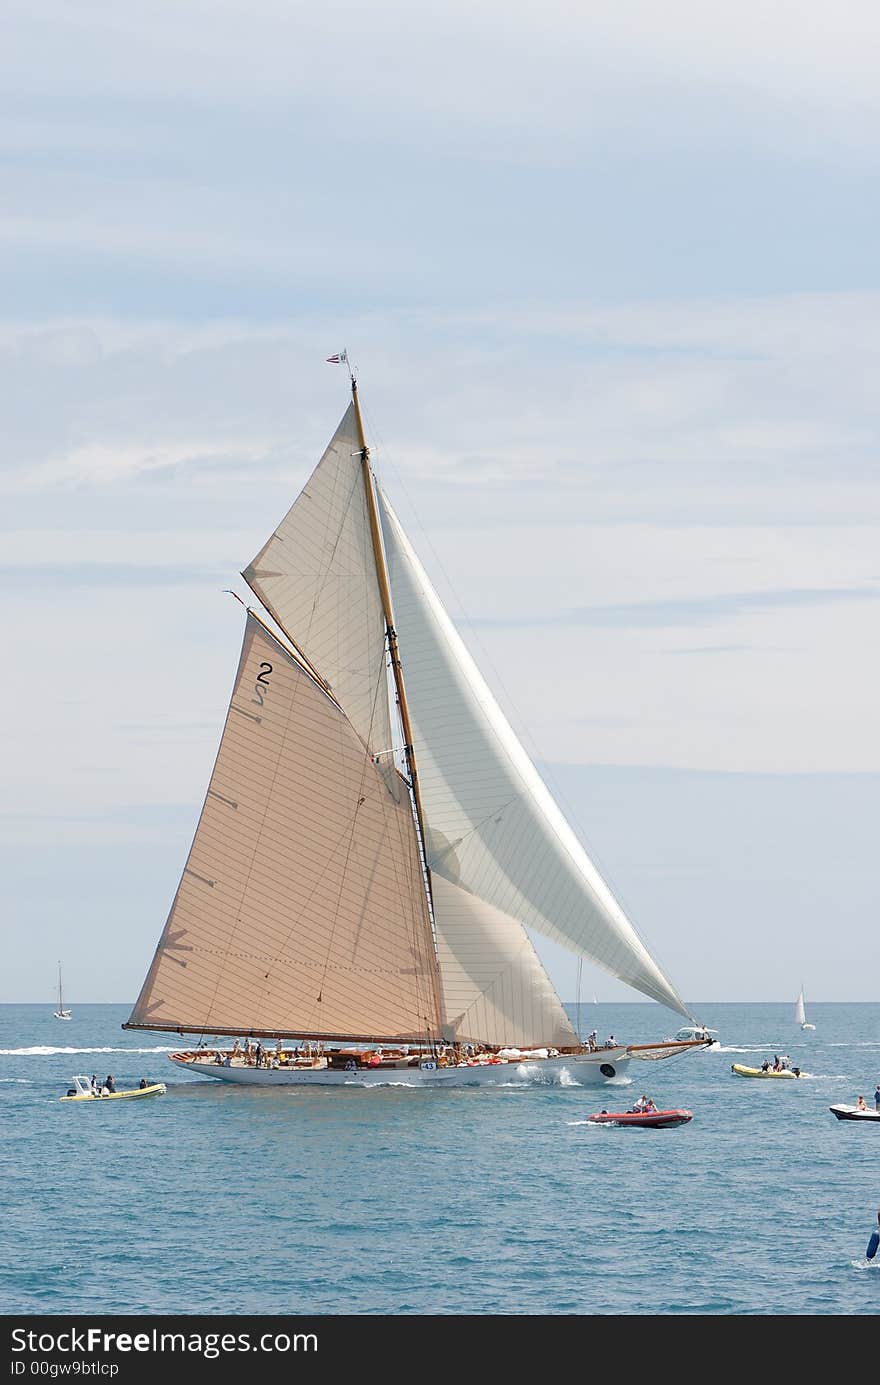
(609, 277)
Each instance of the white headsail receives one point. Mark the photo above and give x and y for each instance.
(491, 826)
(301, 909)
(495, 989)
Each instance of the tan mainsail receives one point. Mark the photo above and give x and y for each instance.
(302, 907)
(495, 989)
(317, 576)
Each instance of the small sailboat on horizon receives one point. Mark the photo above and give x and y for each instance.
(61, 1013)
(800, 1012)
(375, 842)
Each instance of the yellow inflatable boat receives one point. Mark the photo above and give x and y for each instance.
(742, 1071)
(82, 1091)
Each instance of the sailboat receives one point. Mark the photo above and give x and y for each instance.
(800, 1014)
(61, 1013)
(375, 842)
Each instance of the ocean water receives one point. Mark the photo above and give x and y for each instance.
(220, 1199)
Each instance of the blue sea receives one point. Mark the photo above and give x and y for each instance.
(227, 1200)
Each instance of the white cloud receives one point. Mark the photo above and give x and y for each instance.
(610, 275)
(560, 70)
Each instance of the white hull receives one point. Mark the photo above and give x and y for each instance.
(585, 1070)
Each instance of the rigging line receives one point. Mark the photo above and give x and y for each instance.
(407, 870)
(523, 730)
(297, 685)
(580, 972)
(478, 826)
(288, 645)
(579, 837)
(416, 923)
(518, 723)
(548, 782)
(168, 929)
(382, 578)
(351, 834)
(416, 888)
(364, 763)
(321, 577)
(348, 832)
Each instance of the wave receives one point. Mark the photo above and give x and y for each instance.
(25, 1081)
(756, 1048)
(46, 1052)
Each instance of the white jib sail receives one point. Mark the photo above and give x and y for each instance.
(301, 909)
(491, 825)
(495, 989)
(317, 576)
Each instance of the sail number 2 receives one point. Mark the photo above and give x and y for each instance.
(262, 683)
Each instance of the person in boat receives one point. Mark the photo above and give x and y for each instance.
(110, 1084)
(877, 1097)
(765, 1066)
(593, 1040)
(610, 1042)
(94, 1084)
(236, 1049)
(143, 1083)
(861, 1105)
(258, 1055)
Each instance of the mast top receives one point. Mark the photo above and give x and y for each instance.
(341, 358)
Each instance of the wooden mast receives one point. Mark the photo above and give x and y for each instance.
(385, 592)
(394, 653)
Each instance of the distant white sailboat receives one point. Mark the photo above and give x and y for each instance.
(800, 1014)
(61, 1013)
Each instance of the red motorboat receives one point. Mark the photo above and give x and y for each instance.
(658, 1120)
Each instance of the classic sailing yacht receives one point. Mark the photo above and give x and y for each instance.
(61, 1013)
(375, 841)
(800, 1013)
